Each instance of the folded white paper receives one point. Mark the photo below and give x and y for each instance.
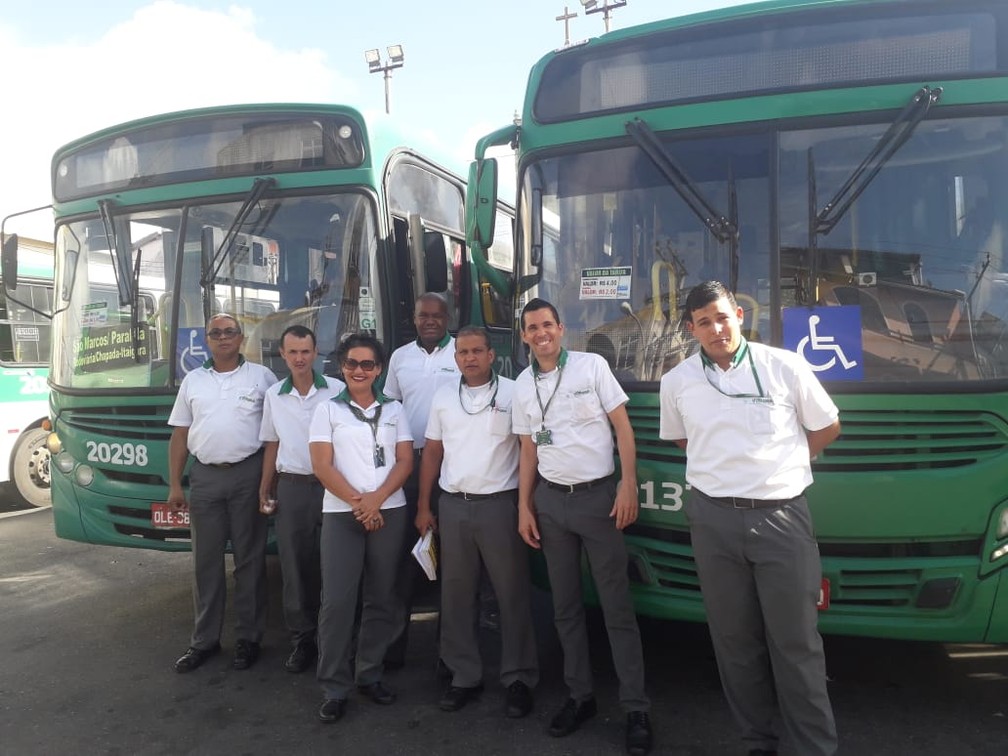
(425, 552)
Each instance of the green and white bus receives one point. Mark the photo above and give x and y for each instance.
(280, 214)
(843, 166)
(24, 367)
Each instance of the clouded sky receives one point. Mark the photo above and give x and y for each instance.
(68, 68)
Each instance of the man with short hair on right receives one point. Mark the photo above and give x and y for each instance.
(751, 418)
(287, 478)
(469, 440)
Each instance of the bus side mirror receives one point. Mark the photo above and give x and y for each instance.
(481, 202)
(8, 262)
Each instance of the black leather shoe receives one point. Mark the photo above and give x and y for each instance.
(332, 710)
(519, 700)
(378, 693)
(571, 716)
(194, 657)
(455, 697)
(301, 657)
(246, 653)
(638, 733)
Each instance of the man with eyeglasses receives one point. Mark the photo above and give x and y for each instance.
(290, 490)
(750, 418)
(471, 444)
(415, 371)
(216, 419)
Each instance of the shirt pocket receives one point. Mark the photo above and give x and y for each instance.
(765, 418)
(249, 401)
(500, 422)
(583, 405)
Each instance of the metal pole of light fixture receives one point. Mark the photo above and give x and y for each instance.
(375, 65)
(606, 8)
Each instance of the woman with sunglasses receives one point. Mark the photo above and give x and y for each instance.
(362, 452)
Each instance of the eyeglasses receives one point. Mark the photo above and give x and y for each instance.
(223, 333)
(365, 365)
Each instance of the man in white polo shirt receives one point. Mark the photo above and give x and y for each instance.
(750, 418)
(415, 371)
(216, 419)
(289, 486)
(567, 405)
(469, 439)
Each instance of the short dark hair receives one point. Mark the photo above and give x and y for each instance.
(227, 315)
(703, 294)
(538, 304)
(474, 330)
(355, 340)
(431, 296)
(298, 332)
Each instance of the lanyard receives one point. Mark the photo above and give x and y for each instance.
(552, 396)
(493, 399)
(746, 352)
(372, 423)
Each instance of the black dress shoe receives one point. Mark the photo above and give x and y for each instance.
(638, 733)
(378, 693)
(301, 657)
(571, 716)
(194, 657)
(331, 710)
(455, 697)
(519, 700)
(245, 655)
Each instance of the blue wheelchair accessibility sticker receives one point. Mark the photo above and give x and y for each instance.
(191, 350)
(828, 339)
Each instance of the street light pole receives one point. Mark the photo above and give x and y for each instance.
(606, 8)
(374, 61)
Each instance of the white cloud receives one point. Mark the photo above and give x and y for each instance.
(166, 57)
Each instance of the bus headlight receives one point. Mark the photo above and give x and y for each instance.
(53, 443)
(84, 475)
(1002, 526)
(64, 462)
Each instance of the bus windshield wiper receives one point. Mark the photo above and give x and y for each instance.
(119, 269)
(259, 188)
(724, 229)
(135, 308)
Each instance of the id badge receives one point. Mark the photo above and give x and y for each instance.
(379, 456)
(544, 437)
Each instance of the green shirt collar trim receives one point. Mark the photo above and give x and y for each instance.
(445, 340)
(318, 381)
(209, 363)
(344, 396)
(740, 354)
(561, 363)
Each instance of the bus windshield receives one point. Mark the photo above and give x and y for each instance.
(292, 260)
(920, 250)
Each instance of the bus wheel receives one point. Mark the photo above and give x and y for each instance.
(30, 468)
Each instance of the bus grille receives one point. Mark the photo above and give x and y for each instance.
(143, 423)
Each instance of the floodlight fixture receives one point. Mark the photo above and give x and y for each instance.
(375, 65)
(395, 53)
(606, 8)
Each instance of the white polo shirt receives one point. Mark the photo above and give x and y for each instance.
(583, 392)
(287, 415)
(414, 376)
(223, 411)
(751, 446)
(474, 424)
(353, 445)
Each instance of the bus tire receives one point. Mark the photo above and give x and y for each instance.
(30, 468)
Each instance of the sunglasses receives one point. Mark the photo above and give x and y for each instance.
(223, 333)
(366, 365)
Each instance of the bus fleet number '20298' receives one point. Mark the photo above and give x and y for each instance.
(134, 455)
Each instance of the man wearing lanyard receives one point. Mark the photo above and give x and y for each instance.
(566, 407)
(751, 417)
(469, 439)
(290, 488)
(415, 371)
(216, 419)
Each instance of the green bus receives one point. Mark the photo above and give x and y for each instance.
(842, 165)
(280, 214)
(24, 367)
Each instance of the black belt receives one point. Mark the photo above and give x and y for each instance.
(572, 487)
(482, 497)
(298, 478)
(224, 465)
(741, 502)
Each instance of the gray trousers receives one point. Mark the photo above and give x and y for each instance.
(224, 506)
(485, 531)
(349, 555)
(568, 522)
(760, 575)
(298, 525)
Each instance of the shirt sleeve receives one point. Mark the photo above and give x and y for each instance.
(320, 428)
(403, 432)
(670, 422)
(816, 410)
(181, 414)
(521, 421)
(610, 393)
(434, 432)
(267, 431)
(391, 388)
